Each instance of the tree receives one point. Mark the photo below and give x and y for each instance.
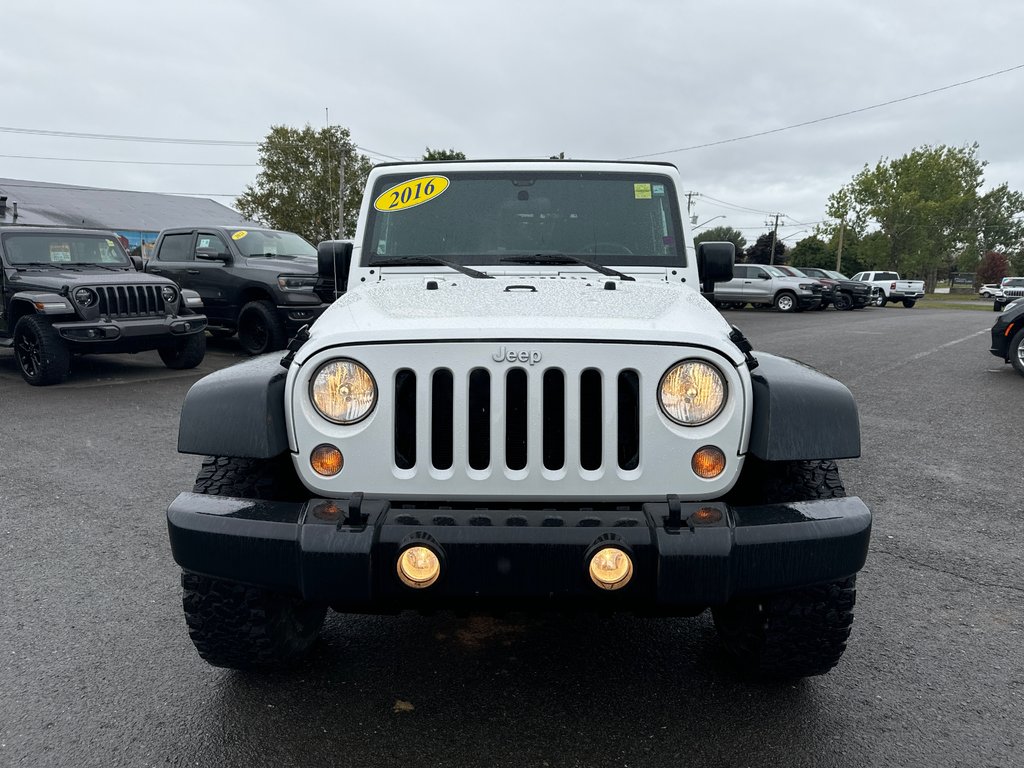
(811, 252)
(760, 252)
(297, 188)
(928, 209)
(443, 154)
(721, 235)
(994, 266)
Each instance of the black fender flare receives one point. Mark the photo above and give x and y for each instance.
(800, 413)
(237, 411)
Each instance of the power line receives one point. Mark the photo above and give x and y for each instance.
(21, 185)
(130, 162)
(829, 117)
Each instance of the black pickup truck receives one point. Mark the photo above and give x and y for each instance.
(258, 283)
(75, 291)
(846, 293)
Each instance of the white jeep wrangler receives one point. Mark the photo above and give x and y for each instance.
(522, 397)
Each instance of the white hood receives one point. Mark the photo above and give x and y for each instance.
(527, 307)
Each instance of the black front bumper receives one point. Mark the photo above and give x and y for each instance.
(344, 552)
(123, 333)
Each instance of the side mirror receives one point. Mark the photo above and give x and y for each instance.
(212, 254)
(763, 276)
(714, 265)
(137, 263)
(333, 259)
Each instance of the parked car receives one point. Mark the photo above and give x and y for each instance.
(847, 293)
(990, 291)
(1012, 288)
(1008, 336)
(891, 287)
(768, 285)
(827, 288)
(258, 283)
(76, 291)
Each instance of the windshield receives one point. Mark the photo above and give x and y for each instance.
(835, 275)
(59, 248)
(1013, 281)
(774, 271)
(268, 242)
(479, 218)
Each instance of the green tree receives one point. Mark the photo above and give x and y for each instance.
(722, 235)
(443, 154)
(928, 209)
(760, 252)
(812, 252)
(297, 188)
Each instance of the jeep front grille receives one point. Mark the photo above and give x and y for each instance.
(130, 300)
(513, 397)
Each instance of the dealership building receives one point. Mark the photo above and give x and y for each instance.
(135, 216)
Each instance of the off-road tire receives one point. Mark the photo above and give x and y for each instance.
(785, 301)
(42, 356)
(792, 634)
(237, 625)
(843, 302)
(260, 330)
(909, 303)
(184, 353)
(1015, 352)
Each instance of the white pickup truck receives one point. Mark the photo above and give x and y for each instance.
(892, 288)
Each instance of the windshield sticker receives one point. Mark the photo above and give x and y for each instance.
(60, 252)
(239, 234)
(110, 243)
(642, 191)
(658, 190)
(411, 193)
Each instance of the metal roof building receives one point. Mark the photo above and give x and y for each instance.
(138, 216)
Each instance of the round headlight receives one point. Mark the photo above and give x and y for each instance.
(343, 391)
(692, 392)
(85, 297)
(169, 293)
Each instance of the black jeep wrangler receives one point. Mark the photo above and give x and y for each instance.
(67, 291)
(257, 283)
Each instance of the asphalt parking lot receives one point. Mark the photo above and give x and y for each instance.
(97, 668)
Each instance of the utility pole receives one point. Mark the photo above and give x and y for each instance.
(839, 250)
(775, 235)
(689, 201)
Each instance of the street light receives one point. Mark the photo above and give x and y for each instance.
(698, 226)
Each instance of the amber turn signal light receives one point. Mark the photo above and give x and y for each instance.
(708, 462)
(326, 460)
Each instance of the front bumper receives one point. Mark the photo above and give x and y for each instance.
(808, 300)
(343, 552)
(145, 331)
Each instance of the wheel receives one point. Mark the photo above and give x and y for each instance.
(1016, 351)
(880, 300)
(997, 307)
(43, 357)
(607, 248)
(184, 353)
(843, 302)
(260, 330)
(785, 302)
(237, 625)
(986, 294)
(908, 303)
(802, 632)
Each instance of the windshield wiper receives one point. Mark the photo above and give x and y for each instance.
(112, 267)
(561, 258)
(19, 265)
(413, 261)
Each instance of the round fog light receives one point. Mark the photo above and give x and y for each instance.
(611, 568)
(708, 462)
(326, 460)
(418, 567)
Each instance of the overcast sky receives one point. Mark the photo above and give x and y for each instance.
(594, 79)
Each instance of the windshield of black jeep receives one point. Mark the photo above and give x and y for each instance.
(613, 219)
(266, 242)
(59, 249)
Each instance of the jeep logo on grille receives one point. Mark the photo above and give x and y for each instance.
(506, 355)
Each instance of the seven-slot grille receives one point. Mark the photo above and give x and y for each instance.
(130, 300)
(570, 420)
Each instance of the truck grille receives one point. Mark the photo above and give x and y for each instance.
(130, 300)
(504, 403)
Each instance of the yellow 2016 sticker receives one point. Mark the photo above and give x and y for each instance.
(642, 191)
(411, 193)
(239, 234)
